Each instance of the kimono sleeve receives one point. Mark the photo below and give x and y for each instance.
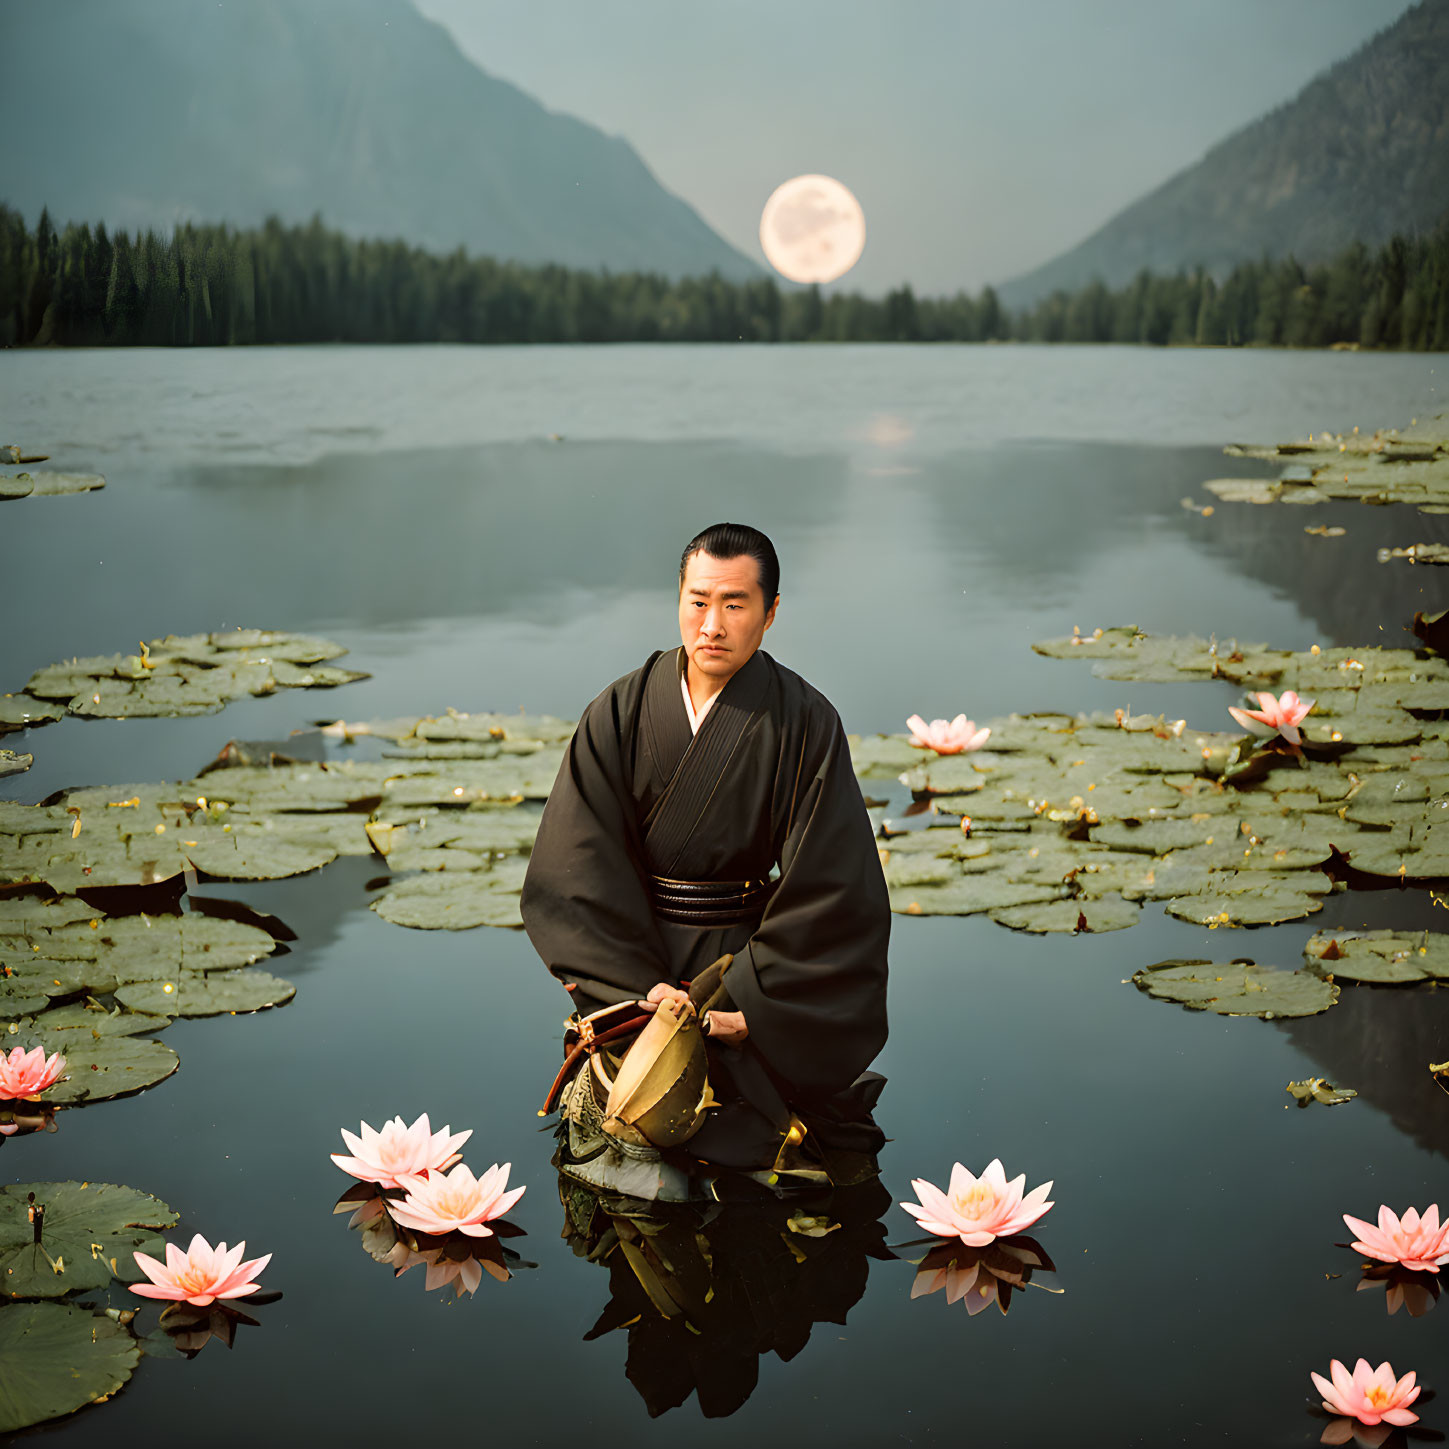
(813, 983)
(584, 904)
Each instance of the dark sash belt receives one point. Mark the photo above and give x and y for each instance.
(707, 903)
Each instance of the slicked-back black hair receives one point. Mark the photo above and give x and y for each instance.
(736, 540)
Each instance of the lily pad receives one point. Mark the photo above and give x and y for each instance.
(194, 674)
(1388, 466)
(24, 711)
(449, 901)
(1382, 957)
(115, 1066)
(882, 757)
(19, 996)
(46, 484)
(1108, 913)
(196, 993)
(1153, 837)
(505, 828)
(988, 891)
(261, 852)
(62, 1027)
(270, 644)
(456, 725)
(14, 764)
(1249, 908)
(56, 1358)
(101, 953)
(1315, 1089)
(87, 1234)
(1239, 989)
(915, 869)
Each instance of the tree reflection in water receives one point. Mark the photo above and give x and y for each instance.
(704, 1290)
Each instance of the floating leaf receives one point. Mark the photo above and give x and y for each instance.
(1351, 466)
(99, 953)
(87, 1234)
(194, 993)
(261, 852)
(1239, 989)
(24, 711)
(20, 996)
(112, 1067)
(882, 757)
(1108, 913)
(193, 674)
(14, 764)
(449, 901)
(505, 828)
(58, 1029)
(1382, 957)
(914, 869)
(1263, 907)
(21, 912)
(56, 1358)
(987, 891)
(1315, 1089)
(46, 484)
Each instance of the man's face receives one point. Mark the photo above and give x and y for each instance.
(722, 613)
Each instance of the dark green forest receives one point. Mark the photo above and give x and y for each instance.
(208, 286)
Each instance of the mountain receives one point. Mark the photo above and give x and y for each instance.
(147, 112)
(1360, 153)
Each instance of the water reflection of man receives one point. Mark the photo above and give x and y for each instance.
(705, 1291)
(707, 805)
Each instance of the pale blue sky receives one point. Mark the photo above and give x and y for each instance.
(981, 137)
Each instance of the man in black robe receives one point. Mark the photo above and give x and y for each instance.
(707, 805)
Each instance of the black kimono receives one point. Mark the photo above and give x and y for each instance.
(766, 783)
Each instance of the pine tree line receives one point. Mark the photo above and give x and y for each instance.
(216, 285)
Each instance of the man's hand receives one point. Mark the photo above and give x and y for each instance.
(664, 992)
(727, 1027)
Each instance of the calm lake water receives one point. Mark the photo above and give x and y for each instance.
(935, 509)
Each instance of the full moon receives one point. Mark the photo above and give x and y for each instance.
(812, 229)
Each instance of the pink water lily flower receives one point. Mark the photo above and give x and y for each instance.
(1280, 716)
(400, 1156)
(946, 737)
(201, 1274)
(445, 1202)
(978, 1209)
(1368, 1395)
(25, 1075)
(1420, 1244)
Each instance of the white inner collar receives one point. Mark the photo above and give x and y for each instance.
(694, 718)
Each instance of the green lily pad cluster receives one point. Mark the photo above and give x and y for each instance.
(59, 958)
(1072, 820)
(178, 675)
(1409, 465)
(57, 1239)
(453, 808)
